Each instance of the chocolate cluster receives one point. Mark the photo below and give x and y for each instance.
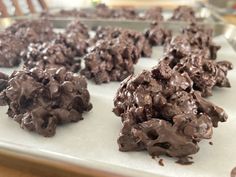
(202, 37)
(39, 100)
(184, 13)
(18, 36)
(75, 37)
(103, 11)
(10, 51)
(161, 113)
(206, 74)
(154, 13)
(50, 55)
(32, 31)
(157, 35)
(138, 39)
(110, 60)
(194, 52)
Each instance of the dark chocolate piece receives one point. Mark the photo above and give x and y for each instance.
(162, 113)
(184, 13)
(138, 39)
(50, 55)
(157, 35)
(11, 48)
(39, 100)
(110, 60)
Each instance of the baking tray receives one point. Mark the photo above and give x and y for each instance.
(202, 12)
(91, 144)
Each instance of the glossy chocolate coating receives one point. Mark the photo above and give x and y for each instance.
(50, 55)
(110, 60)
(162, 113)
(39, 100)
(138, 39)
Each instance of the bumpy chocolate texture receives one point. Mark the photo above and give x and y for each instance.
(75, 37)
(193, 52)
(3, 81)
(10, 50)
(184, 13)
(110, 60)
(138, 39)
(162, 114)
(32, 31)
(201, 36)
(157, 35)
(180, 47)
(49, 55)
(205, 73)
(39, 100)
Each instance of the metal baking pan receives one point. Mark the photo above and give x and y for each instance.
(202, 13)
(91, 143)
